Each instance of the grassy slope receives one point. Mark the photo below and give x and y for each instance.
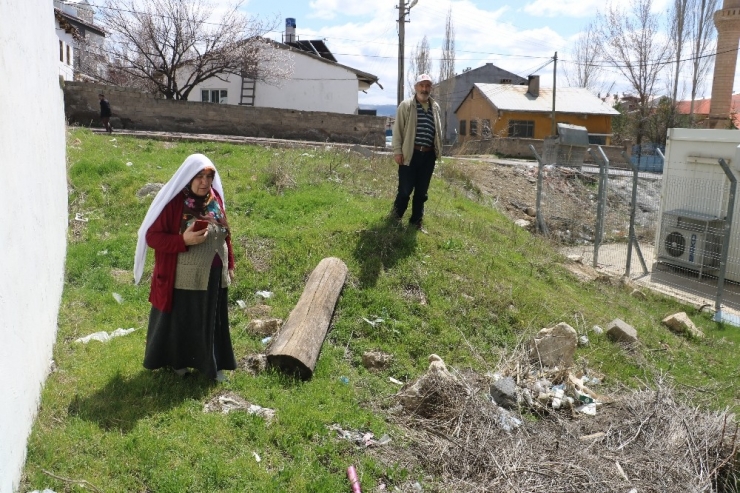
(470, 291)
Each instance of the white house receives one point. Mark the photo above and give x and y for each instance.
(80, 41)
(318, 83)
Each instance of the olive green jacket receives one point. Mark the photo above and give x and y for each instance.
(404, 129)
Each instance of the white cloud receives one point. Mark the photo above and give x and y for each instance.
(583, 8)
(329, 9)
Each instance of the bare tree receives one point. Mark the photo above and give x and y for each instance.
(584, 70)
(678, 19)
(420, 63)
(702, 36)
(446, 81)
(633, 44)
(174, 45)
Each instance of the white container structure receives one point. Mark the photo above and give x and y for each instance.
(694, 201)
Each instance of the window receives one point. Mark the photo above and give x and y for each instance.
(69, 56)
(473, 127)
(61, 51)
(487, 134)
(505, 81)
(521, 128)
(463, 125)
(214, 95)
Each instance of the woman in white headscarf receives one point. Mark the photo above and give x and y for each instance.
(188, 323)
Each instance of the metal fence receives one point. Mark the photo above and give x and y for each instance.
(672, 233)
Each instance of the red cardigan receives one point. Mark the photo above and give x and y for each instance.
(165, 238)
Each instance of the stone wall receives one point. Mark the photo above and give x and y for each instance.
(519, 148)
(136, 110)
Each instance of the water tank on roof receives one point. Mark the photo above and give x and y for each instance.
(290, 30)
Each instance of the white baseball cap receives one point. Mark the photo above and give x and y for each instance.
(423, 77)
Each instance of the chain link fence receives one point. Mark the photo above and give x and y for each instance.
(672, 239)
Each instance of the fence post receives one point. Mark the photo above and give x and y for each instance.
(633, 210)
(603, 163)
(726, 238)
(539, 221)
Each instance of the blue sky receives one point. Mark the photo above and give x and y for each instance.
(519, 36)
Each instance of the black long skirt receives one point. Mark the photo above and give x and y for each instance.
(195, 334)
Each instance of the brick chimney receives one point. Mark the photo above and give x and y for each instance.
(534, 85)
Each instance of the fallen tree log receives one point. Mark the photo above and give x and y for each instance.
(295, 349)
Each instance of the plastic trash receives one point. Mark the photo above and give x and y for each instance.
(375, 322)
(393, 380)
(597, 330)
(266, 340)
(129, 163)
(241, 304)
(257, 457)
(354, 481)
(103, 336)
(265, 294)
(588, 409)
(583, 340)
(118, 298)
(344, 380)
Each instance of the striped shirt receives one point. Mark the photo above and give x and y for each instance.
(424, 126)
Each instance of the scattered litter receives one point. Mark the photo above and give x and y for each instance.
(103, 252)
(118, 298)
(228, 402)
(241, 304)
(129, 163)
(365, 439)
(508, 421)
(257, 457)
(344, 380)
(597, 330)
(112, 140)
(79, 217)
(266, 340)
(103, 336)
(588, 409)
(264, 294)
(393, 380)
(307, 154)
(583, 340)
(377, 320)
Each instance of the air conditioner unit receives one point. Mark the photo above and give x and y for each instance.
(691, 239)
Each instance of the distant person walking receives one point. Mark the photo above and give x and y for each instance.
(417, 143)
(105, 113)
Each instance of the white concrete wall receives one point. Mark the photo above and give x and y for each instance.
(66, 70)
(314, 86)
(33, 237)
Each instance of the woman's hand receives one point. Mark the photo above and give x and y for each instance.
(231, 275)
(194, 237)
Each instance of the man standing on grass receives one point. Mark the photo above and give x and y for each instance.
(105, 113)
(417, 143)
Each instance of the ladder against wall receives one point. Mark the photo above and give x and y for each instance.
(247, 96)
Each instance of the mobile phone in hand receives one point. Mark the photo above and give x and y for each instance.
(199, 225)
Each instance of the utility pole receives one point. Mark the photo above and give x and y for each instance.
(403, 10)
(401, 40)
(554, 88)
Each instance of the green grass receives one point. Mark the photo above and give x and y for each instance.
(486, 285)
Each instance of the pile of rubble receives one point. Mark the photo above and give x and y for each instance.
(538, 425)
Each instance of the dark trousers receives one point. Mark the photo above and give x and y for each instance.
(105, 120)
(414, 178)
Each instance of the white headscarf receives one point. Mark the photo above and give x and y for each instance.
(194, 164)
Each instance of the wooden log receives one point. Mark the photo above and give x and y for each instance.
(296, 348)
